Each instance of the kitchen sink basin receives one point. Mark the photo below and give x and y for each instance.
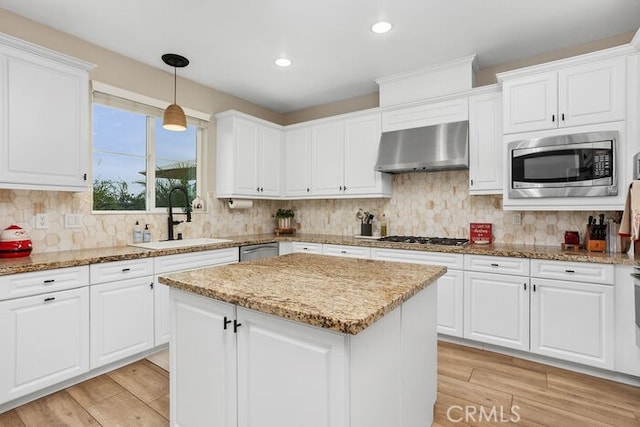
(174, 244)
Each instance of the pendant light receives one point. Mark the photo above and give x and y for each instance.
(174, 118)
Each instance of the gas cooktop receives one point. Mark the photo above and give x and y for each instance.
(447, 241)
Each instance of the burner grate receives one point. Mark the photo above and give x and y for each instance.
(446, 241)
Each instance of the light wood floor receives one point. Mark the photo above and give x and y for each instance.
(475, 387)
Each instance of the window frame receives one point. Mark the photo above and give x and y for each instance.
(195, 118)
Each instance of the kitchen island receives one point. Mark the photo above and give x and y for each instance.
(304, 340)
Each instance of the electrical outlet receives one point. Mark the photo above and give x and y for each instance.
(42, 221)
(516, 219)
(72, 220)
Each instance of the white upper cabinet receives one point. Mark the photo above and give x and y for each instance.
(297, 181)
(485, 143)
(335, 158)
(248, 157)
(44, 118)
(572, 96)
(327, 153)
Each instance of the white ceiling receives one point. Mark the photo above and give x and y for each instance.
(232, 43)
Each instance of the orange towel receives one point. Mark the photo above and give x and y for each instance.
(630, 224)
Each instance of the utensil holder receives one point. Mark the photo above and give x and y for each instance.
(365, 229)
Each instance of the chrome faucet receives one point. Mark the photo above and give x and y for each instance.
(187, 209)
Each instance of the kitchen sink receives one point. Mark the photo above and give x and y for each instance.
(174, 244)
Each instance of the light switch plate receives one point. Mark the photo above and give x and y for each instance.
(72, 220)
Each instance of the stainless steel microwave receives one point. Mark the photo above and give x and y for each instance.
(575, 165)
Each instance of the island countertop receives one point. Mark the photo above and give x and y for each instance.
(341, 294)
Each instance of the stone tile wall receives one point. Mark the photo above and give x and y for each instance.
(432, 204)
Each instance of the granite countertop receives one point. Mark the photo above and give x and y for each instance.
(50, 260)
(343, 294)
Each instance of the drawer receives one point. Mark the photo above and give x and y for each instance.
(573, 271)
(347, 251)
(120, 270)
(39, 282)
(193, 260)
(312, 248)
(497, 264)
(448, 260)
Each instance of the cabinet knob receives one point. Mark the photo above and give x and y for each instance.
(307, 189)
(562, 117)
(151, 285)
(345, 188)
(553, 118)
(534, 288)
(525, 286)
(84, 177)
(341, 188)
(258, 189)
(343, 252)
(472, 182)
(261, 189)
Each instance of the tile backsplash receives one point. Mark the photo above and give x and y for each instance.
(434, 204)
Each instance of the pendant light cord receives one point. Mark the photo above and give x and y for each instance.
(174, 84)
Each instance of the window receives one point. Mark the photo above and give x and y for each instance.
(136, 162)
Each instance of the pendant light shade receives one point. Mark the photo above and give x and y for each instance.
(173, 117)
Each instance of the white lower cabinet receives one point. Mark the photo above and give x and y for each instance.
(277, 372)
(176, 263)
(627, 335)
(573, 320)
(312, 248)
(347, 251)
(121, 319)
(450, 286)
(496, 309)
(289, 374)
(45, 340)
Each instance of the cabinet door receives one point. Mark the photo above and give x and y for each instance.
(362, 137)
(45, 340)
(530, 103)
(485, 143)
(328, 159)
(270, 156)
(289, 374)
(246, 157)
(592, 93)
(573, 321)
(496, 309)
(204, 353)
(44, 115)
(121, 319)
(298, 162)
(451, 303)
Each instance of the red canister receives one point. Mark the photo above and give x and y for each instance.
(14, 242)
(571, 237)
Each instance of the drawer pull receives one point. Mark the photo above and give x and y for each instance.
(495, 265)
(49, 281)
(126, 270)
(343, 252)
(236, 325)
(49, 299)
(570, 271)
(225, 322)
(525, 286)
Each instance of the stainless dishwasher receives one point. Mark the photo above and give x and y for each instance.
(263, 250)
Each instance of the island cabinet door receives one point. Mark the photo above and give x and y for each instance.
(289, 374)
(202, 362)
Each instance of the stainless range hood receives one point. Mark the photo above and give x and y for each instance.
(431, 148)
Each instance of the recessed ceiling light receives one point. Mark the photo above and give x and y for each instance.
(381, 27)
(283, 62)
